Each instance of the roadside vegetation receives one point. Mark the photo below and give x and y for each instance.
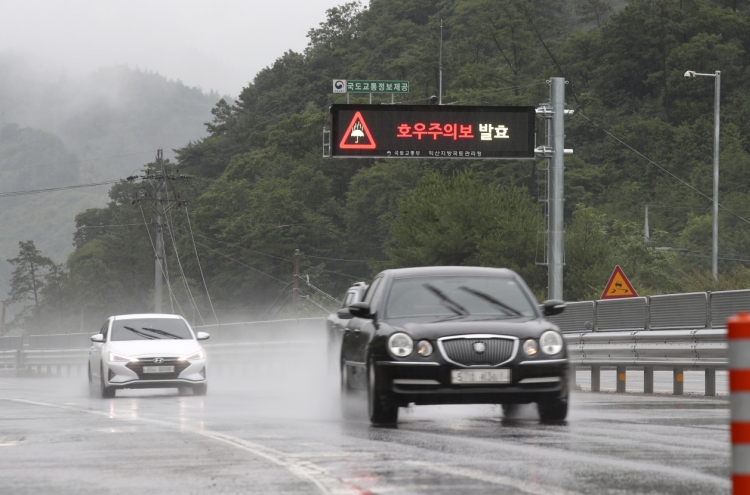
(261, 188)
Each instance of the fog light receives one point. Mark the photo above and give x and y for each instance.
(424, 348)
(530, 347)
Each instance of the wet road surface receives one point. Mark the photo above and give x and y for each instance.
(280, 432)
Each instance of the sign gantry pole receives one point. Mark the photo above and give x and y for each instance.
(556, 190)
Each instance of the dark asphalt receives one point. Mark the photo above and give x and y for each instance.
(280, 432)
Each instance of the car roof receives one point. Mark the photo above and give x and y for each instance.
(147, 315)
(423, 271)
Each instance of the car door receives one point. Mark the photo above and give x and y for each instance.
(357, 336)
(96, 351)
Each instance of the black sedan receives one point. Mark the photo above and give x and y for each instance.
(452, 335)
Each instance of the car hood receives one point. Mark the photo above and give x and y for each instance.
(167, 348)
(517, 327)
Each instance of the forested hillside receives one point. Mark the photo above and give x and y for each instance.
(642, 134)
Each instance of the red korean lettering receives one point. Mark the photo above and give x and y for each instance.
(465, 132)
(404, 131)
(420, 130)
(449, 130)
(435, 129)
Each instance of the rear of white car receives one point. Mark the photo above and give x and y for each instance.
(147, 351)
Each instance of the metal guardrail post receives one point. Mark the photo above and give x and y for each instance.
(596, 378)
(678, 381)
(738, 335)
(621, 376)
(710, 382)
(648, 380)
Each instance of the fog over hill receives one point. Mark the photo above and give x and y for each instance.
(57, 130)
(112, 112)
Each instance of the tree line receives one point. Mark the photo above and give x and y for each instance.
(261, 188)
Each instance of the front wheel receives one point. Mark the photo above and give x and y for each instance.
(380, 406)
(200, 389)
(105, 392)
(554, 409)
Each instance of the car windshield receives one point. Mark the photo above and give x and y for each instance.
(150, 329)
(457, 296)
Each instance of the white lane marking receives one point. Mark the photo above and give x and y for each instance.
(11, 441)
(524, 486)
(326, 482)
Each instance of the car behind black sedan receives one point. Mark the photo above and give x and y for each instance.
(452, 335)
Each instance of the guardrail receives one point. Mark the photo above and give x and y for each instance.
(600, 342)
(232, 346)
(689, 311)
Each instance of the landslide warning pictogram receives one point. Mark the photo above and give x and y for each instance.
(618, 286)
(357, 130)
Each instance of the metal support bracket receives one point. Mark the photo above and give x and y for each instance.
(327, 143)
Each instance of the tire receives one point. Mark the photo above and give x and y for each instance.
(104, 391)
(200, 389)
(380, 406)
(182, 391)
(93, 389)
(510, 411)
(348, 401)
(554, 409)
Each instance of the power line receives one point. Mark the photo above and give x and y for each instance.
(200, 269)
(8, 194)
(685, 183)
(340, 259)
(191, 299)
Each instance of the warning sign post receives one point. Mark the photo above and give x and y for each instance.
(619, 286)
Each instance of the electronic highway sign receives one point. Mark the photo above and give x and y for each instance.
(432, 131)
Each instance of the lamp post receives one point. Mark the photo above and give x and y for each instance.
(715, 242)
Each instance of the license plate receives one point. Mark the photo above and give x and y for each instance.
(471, 377)
(158, 369)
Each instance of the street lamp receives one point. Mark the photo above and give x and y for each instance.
(715, 247)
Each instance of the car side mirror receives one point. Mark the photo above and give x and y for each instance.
(360, 310)
(97, 338)
(553, 307)
(344, 314)
(202, 335)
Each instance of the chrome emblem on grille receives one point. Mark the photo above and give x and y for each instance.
(479, 347)
(158, 360)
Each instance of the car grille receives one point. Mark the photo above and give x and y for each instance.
(461, 350)
(179, 367)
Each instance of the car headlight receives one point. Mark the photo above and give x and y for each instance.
(424, 348)
(530, 347)
(551, 342)
(119, 358)
(195, 355)
(400, 344)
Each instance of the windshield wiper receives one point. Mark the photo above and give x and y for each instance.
(492, 300)
(162, 332)
(144, 335)
(449, 303)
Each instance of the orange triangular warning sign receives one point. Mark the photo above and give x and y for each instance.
(357, 135)
(618, 286)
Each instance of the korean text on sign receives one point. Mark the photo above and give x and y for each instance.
(501, 132)
(451, 131)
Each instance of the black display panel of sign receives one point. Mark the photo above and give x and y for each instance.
(432, 131)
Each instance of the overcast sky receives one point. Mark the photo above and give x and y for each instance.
(217, 44)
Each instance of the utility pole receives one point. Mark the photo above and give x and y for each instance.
(159, 262)
(554, 114)
(646, 234)
(556, 190)
(162, 204)
(295, 294)
(440, 89)
(2, 318)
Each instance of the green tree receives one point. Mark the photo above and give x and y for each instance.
(28, 277)
(462, 220)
